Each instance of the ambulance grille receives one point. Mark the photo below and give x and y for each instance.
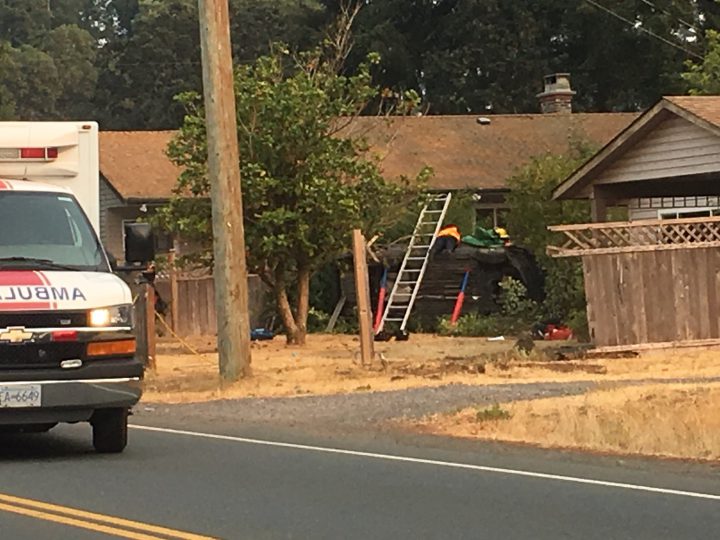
(39, 355)
(44, 319)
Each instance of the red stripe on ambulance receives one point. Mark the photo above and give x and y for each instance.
(15, 278)
(23, 306)
(46, 282)
(20, 277)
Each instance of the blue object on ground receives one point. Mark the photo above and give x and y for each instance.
(261, 334)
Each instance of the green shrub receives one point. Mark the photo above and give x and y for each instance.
(317, 320)
(348, 324)
(471, 325)
(492, 414)
(578, 323)
(514, 303)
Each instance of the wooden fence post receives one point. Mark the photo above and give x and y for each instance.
(174, 307)
(362, 292)
(141, 335)
(150, 325)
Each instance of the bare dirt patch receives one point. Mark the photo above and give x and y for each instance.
(329, 364)
(673, 420)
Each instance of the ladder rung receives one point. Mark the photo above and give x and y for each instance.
(393, 320)
(412, 270)
(406, 282)
(416, 258)
(432, 211)
(424, 246)
(403, 294)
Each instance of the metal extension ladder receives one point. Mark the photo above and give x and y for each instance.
(409, 277)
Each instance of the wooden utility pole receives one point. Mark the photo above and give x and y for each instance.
(230, 271)
(362, 293)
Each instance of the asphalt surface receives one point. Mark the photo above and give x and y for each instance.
(229, 488)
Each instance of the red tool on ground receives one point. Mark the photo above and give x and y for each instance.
(558, 333)
(381, 300)
(460, 299)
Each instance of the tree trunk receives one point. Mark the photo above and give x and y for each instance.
(291, 329)
(303, 304)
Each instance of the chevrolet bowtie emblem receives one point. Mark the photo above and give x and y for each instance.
(16, 335)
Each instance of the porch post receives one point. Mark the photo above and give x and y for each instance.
(598, 206)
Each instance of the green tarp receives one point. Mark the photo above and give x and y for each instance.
(483, 238)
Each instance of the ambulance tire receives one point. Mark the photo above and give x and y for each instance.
(110, 430)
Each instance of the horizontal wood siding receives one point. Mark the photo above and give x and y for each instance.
(675, 147)
(108, 199)
(637, 214)
(653, 297)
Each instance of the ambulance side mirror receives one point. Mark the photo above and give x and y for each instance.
(139, 243)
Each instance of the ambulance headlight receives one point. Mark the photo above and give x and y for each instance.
(111, 316)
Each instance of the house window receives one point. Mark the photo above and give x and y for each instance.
(489, 218)
(689, 213)
(163, 239)
(485, 218)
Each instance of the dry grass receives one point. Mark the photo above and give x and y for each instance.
(673, 420)
(328, 364)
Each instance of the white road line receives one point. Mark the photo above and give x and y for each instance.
(449, 464)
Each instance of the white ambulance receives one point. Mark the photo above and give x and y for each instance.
(67, 348)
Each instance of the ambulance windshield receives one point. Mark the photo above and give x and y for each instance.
(46, 231)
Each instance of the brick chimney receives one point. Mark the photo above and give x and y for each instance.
(557, 96)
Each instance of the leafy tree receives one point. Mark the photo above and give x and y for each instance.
(532, 210)
(305, 187)
(158, 56)
(703, 77)
(47, 61)
(73, 54)
(23, 21)
(466, 55)
(30, 78)
(159, 59)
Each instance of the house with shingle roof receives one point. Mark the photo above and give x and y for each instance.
(652, 282)
(665, 164)
(465, 152)
(136, 176)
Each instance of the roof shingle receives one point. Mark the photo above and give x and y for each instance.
(462, 152)
(136, 165)
(466, 154)
(705, 107)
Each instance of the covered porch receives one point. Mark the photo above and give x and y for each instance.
(654, 280)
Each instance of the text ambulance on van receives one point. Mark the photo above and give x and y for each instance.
(67, 350)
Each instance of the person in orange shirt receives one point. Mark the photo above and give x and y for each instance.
(448, 239)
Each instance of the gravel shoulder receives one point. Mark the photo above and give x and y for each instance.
(368, 411)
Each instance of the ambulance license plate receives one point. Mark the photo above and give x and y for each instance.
(20, 396)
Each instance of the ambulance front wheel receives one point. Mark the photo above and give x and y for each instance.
(110, 430)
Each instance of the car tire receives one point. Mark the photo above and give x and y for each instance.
(110, 430)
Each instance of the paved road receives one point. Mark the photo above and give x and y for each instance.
(236, 488)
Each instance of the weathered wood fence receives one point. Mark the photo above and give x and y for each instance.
(194, 303)
(648, 283)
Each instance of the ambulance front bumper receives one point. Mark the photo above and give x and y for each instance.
(73, 400)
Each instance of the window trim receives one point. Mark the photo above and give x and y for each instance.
(677, 213)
